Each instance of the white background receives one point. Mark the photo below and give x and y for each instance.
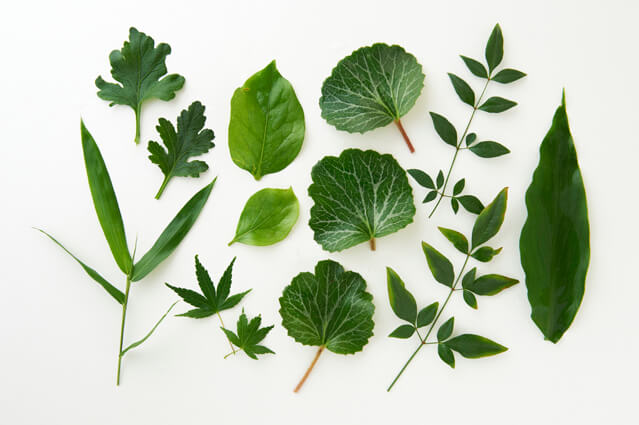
(59, 330)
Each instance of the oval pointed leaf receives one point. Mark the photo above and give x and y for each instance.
(421, 178)
(459, 186)
(508, 75)
(490, 220)
(401, 300)
(172, 234)
(469, 298)
(359, 196)
(457, 239)
(495, 48)
(454, 204)
(476, 67)
(471, 204)
(440, 266)
(104, 201)
(489, 149)
(446, 329)
(446, 354)
(555, 240)
(444, 129)
(485, 254)
(475, 346)
(427, 314)
(403, 332)
(490, 284)
(463, 90)
(267, 127)
(371, 88)
(469, 277)
(470, 139)
(440, 179)
(267, 218)
(430, 196)
(497, 104)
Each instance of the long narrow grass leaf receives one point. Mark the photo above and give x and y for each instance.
(137, 343)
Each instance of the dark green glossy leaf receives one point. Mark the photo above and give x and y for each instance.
(140, 69)
(446, 354)
(469, 277)
(471, 203)
(463, 90)
(444, 129)
(105, 202)
(173, 234)
(440, 266)
(490, 220)
(191, 139)
(440, 179)
(403, 332)
(508, 75)
(476, 67)
(485, 254)
(249, 335)
(469, 298)
(489, 149)
(475, 346)
(267, 218)
(446, 329)
(490, 284)
(112, 290)
(427, 314)
(454, 204)
(422, 178)
(470, 139)
(459, 186)
(555, 240)
(267, 127)
(495, 48)
(401, 300)
(430, 196)
(497, 104)
(457, 239)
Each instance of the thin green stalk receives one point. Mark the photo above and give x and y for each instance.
(137, 125)
(230, 343)
(423, 341)
(459, 147)
(166, 180)
(124, 306)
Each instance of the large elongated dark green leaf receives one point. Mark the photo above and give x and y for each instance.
(555, 240)
(112, 290)
(173, 234)
(105, 202)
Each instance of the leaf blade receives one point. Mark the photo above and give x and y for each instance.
(401, 300)
(494, 48)
(463, 90)
(444, 129)
(489, 221)
(474, 346)
(440, 266)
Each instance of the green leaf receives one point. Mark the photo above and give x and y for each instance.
(469, 298)
(440, 266)
(489, 149)
(508, 75)
(211, 300)
(446, 354)
(267, 218)
(495, 48)
(475, 67)
(444, 129)
(330, 308)
(403, 332)
(139, 67)
(104, 201)
(459, 186)
(555, 240)
(267, 127)
(485, 254)
(401, 300)
(497, 104)
(421, 178)
(140, 341)
(454, 204)
(490, 284)
(249, 335)
(190, 140)
(427, 314)
(371, 88)
(463, 90)
(471, 204)
(490, 220)
(457, 239)
(173, 234)
(446, 329)
(359, 196)
(112, 290)
(470, 139)
(469, 277)
(440, 179)
(430, 196)
(475, 346)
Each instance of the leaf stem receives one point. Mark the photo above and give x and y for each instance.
(432, 326)
(459, 146)
(166, 180)
(310, 368)
(230, 343)
(137, 125)
(124, 306)
(372, 243)
(404, 135)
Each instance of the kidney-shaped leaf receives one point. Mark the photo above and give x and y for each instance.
(555, 240)
(330, 308)
(359, 196)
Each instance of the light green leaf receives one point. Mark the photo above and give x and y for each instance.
(439, 265)
(139, 342)
(359, 196)
(401, 300)
(267, 218)
(490, 220)
(267, 127)
(475, 346)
